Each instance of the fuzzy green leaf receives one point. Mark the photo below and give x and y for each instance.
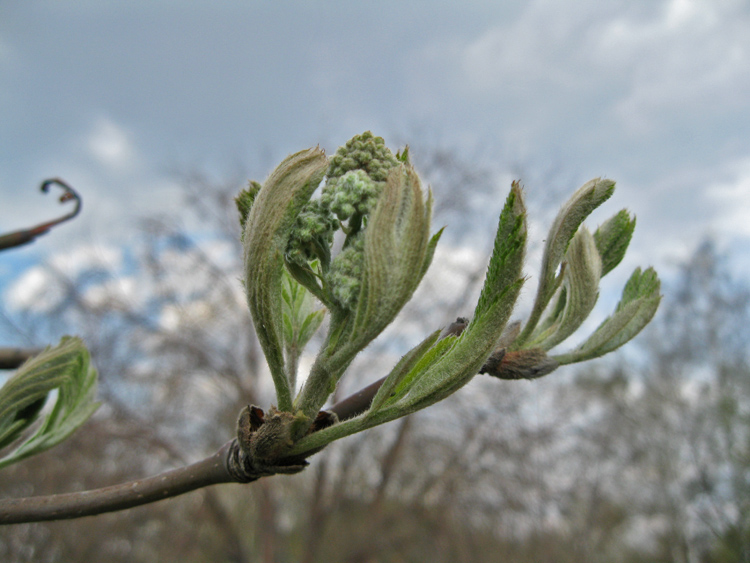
(639, 302)
(580, 290)
(588, 197)
(67, 368)
(305, 276)
(508, 253)
(244, 201)
(465, 358)
(612, 239)
(502, 285)
(398, 375)
(266, 236)
(397, 246)
(301, 320)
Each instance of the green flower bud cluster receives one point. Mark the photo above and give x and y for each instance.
(354, 194)
(346, 272)
(312, 235)
(362, 152)
(355, 179)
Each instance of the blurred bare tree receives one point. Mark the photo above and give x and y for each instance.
(646, 460)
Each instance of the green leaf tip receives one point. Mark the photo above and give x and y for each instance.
(637, 306)
(612, 239)
(66, 367)
(244, 202)
(509, 250)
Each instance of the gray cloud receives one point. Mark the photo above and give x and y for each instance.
(649, 93)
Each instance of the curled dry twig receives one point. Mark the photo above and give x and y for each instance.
(25, 236)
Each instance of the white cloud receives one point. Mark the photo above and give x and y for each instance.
(111, 145)
(33, 291)
(38, 290)
(87, 257)
(690, 57)
(172, 317)
(642, 64)
(113, 294)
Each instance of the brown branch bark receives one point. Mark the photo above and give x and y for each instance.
(210, 471)
(12, 358)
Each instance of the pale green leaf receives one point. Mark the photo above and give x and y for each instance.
(465, 358)
(266, 235)
(612, 239)
(639, 302)
(588, 197)
(66, 368)
(580, 290)
(398, 375)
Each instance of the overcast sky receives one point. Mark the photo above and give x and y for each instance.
(114, 97)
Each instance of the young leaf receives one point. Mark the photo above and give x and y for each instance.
(581, 288)
(588, 197)
(397, 246)
(67, 368)
(244, 201)
(458, 364)
(269, 222)
(612, 239)
(300, 321)
(509, 250)
(640, 299)
(400, 372)
(466, 357)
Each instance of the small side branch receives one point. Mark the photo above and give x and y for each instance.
(12, 358)
(25, 236)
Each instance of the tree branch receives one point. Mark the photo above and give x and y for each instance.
(228, 465)
(12, 358)
(210, 471)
